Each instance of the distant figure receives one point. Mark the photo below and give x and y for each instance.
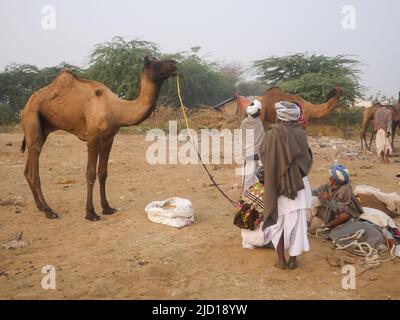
(287, 160)
(337, 204)
(252, 137)
(383, 128)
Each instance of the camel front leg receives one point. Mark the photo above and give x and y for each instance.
(93, 153)
(102, 173)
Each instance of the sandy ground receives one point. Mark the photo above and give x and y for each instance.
(127, 256)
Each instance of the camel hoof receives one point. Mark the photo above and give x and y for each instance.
(50, 214)
(92, 216)
(109, 211)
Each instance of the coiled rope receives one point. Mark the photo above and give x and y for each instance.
(370, 255)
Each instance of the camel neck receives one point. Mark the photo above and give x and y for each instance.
(134, 112)
(322, 110)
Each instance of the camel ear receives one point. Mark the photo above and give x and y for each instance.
(146, 61)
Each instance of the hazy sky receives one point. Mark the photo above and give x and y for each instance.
(232, 30)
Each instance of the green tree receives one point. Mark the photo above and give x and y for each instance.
(118, 64)
(312, 76)
(202, 81)
(251, 88)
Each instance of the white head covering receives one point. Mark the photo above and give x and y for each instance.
(253, 108)
(385, 103)
(287, 111)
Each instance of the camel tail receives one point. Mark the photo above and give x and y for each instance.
(23, 145)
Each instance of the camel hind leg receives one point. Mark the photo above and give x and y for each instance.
(34, 141)
(32, 187)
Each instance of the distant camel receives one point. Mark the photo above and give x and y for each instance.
(93, 113)
(276, 94)
(368, 117)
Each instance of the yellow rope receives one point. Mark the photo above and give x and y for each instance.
(178, 86)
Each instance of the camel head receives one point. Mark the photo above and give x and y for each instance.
(338, 89)
(159, 70)
(335, 92)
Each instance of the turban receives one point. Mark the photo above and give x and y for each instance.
(254, 108)
(340, 174)
(287, 111)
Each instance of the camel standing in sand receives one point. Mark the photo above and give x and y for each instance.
(276, 94)
(368, 117)
(93, 113)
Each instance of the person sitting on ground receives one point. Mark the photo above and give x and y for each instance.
(252, 137)
(337, 203)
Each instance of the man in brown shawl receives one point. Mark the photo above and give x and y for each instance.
(287, 160)
(338, 203)
(383, 128)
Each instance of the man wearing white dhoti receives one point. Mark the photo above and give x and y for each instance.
(287, 160)
(252, 137)
(383, 128)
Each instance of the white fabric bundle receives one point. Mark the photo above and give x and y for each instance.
(174, 212)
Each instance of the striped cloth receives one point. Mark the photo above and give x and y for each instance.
(250, 211)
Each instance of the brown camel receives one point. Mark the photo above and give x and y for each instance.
(93, 113)
(275, 95)
(368, 117)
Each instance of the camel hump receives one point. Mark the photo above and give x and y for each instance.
(277, 94)
(65, 79)
(68, 75)
(275, 90)
(67, 72)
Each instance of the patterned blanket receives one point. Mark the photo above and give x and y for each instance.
(250, 208)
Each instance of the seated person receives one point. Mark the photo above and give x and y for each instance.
(337, 203)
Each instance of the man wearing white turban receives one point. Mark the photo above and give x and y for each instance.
(383, 128)
(252, 136)
(287, 161)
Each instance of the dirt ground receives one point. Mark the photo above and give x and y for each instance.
(127, 256)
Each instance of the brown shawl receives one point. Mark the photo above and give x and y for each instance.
(287, 158)
(383, 119)
(343, 200)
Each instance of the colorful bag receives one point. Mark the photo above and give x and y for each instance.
(250, 211)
